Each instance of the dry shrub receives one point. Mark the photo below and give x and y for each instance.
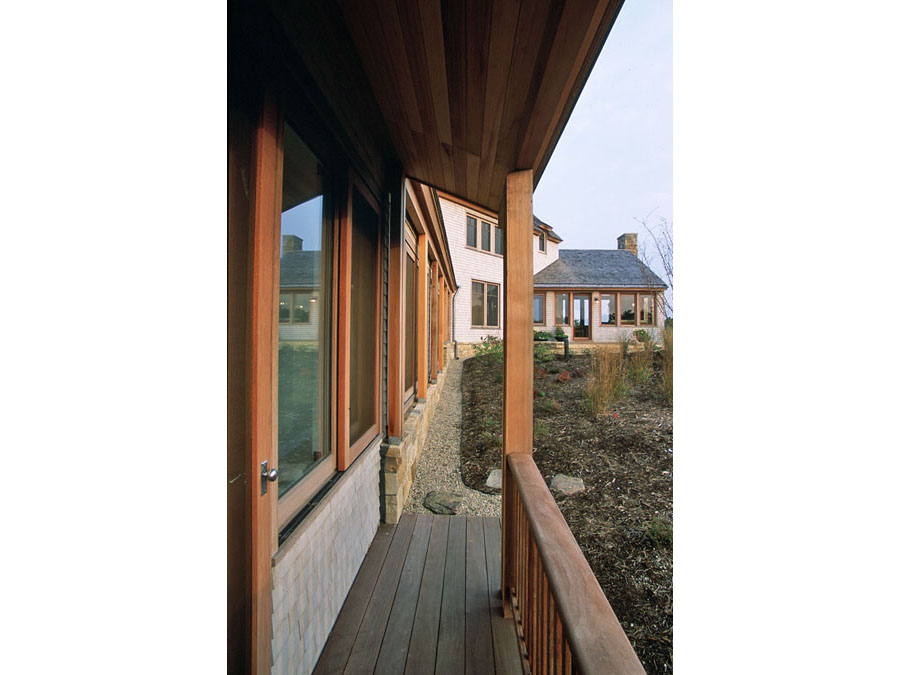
(640, 365)
(667, 362)
(606, 382)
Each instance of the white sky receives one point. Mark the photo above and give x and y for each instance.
(613, 162)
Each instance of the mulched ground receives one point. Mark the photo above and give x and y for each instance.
(623, 519)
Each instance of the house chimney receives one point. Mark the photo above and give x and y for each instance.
(628, 242)
(290, 242)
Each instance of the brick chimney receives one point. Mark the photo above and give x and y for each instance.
(290, 242)
(628, 242)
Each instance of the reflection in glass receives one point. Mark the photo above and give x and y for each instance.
(471, 231)
(539, 308)
(626, 302)
(304, 326)
(581, 316)
(562, 308)
(647, 310)
(493, 305)
(608, 310)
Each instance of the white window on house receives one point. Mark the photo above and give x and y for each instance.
(471, 232)
(542, 242)
(498, 241)
(485, 236)
(485, 305)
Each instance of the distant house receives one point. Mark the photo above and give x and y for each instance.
(596, 295)
(477, 249)
(298, 301)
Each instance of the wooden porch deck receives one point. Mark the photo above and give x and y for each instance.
(426, 600)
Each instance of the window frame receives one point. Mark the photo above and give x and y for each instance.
(409, 394)
(489, 232)
(474, 219)
(484, 294)
(652, 298)
(542, 242)
(543, 321)
(633, 322)
(480, 221)
(288, 505)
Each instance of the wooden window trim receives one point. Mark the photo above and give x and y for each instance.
(478, 235)
(484, 296)
(590, 296)
(490, 232)
(409, 393)
(542, 240)
(543, 321)
(347, 453)
(633, 323)
(615, 297)
(652, 297)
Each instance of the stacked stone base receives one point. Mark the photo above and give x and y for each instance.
(400, 458)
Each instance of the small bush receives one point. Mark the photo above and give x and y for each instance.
(667, 362)
(542, 336)
(540, 429)
(491, 347)
(624, 342)
(606, 382)
(642, 336)
(640, 365)
(659, 531)
(543, 352)
(490, 424)
(552, 406)
(563, 376)
(560, 333)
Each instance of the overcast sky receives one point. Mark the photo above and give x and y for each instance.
(613, 162)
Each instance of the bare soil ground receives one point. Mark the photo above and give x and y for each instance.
(622, 520)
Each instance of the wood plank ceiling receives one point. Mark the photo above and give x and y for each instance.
(471, 90)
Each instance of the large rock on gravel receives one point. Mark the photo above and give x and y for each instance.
(444, 503)
(566, 485)
(494, 482)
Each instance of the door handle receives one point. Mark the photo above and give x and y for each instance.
(268, 476)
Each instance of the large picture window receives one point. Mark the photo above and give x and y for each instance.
(304, 333)
(562, 309)
(485, 305)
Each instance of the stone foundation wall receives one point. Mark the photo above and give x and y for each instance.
(399, 460)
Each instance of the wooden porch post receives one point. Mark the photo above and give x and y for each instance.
(518, 358)
(421, 319)
(396, 309)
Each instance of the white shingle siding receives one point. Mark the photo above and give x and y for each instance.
(542, 259)
(316, 566)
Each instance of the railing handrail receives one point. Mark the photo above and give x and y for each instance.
(596, 639)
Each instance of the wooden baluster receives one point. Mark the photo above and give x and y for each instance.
(557, 644)
(568, 659)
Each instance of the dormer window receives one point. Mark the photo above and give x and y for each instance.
(542, 243)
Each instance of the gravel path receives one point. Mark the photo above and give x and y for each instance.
(438, 467)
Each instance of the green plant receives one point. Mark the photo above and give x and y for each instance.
(542, 336)
(560, 333)
(624, 342)
(606, 382)
(490, 424)
(489, 439)
(492, 347)
(543, 352)
(552, 406)
(659, 531)
(540, 429)
(667, 362)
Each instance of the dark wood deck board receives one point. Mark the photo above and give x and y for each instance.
(343, 634)
(371, 632)
(427, 600)
(423, 643)
(479, 647)
(395, 646)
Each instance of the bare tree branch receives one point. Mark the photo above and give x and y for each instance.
(661, 235)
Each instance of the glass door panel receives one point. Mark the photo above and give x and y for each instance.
(581, 316)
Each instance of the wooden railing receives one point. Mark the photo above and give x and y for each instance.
(564, 620)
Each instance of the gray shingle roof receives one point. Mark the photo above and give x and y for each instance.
(541, 225)
(300, 269)
(597, 269)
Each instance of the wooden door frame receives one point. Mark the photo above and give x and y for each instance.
(590, 317)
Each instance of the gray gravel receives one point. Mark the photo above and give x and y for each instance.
(438, 467)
